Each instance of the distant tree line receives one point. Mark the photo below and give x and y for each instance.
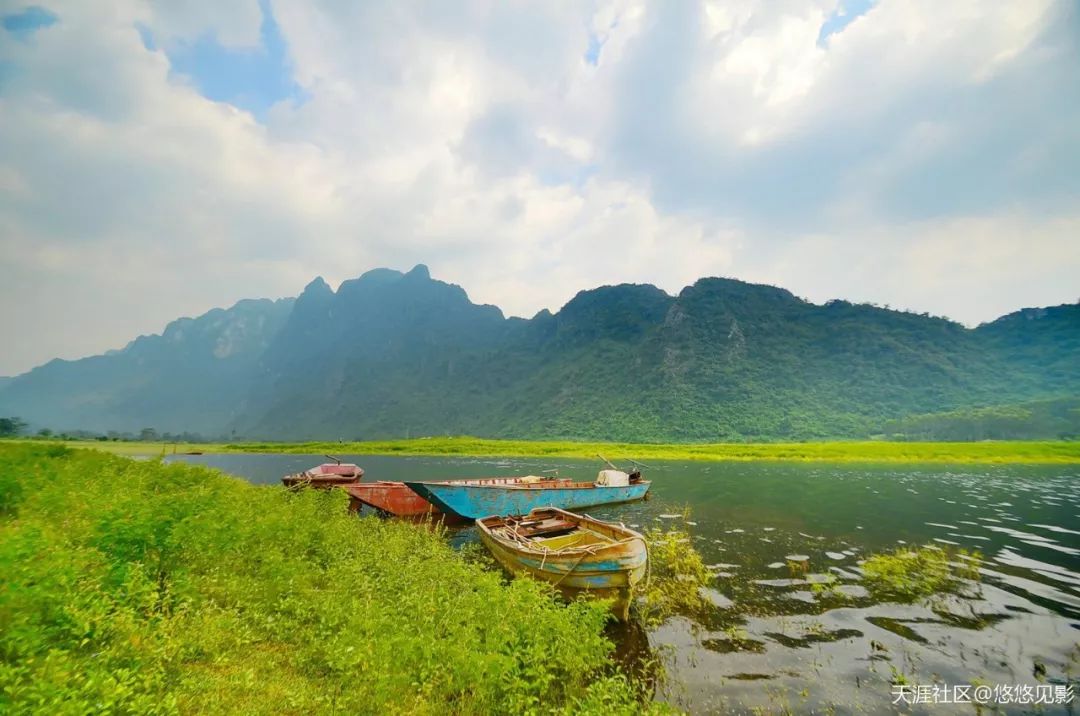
(1036, 420)
(1057, 419)
(11, 427)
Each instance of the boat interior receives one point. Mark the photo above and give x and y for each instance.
(546, 530)
(537, 482)
(547, 484)
(534, 481)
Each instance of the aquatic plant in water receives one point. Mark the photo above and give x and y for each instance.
(913, 573)
(828, 586)
(677, 576)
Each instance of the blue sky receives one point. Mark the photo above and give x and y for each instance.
(27, 21)
(251, 78)
(901, 152)
(843, 15)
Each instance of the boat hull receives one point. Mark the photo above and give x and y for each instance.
(476, 501)
(611, 572)
(393, 498)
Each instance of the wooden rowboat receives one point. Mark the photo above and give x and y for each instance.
(576, 553)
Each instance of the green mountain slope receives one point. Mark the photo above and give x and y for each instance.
(724, 360)
(394, 354)
(386, 350)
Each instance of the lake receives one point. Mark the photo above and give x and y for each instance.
(771, 640)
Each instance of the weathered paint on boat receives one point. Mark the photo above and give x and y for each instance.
(393, 498)
(609, 570)
(474, 501)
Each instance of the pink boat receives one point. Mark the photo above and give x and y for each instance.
(326, 475)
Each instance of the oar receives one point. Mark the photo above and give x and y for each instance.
(609, 463)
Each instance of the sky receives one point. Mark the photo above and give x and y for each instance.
(159, 159)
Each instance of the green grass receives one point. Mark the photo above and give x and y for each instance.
(136, 587)
(866, 451)
(910, 573)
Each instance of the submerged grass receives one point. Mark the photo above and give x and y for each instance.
(917, 572)
(864, 451)
(677, 575)
(144, 588)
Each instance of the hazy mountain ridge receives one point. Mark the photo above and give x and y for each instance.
(392, 354)
(189, 377)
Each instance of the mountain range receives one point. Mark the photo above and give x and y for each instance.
(392, 354)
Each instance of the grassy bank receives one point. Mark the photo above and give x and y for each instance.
(866, 451)
(138, 587)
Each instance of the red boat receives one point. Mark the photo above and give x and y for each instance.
(327, 475)
(390, 497)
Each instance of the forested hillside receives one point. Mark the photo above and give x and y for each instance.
(393, 354)
(1036, 420)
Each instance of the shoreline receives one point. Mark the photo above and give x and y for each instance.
(990, 452)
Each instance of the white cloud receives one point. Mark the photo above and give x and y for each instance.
(234, 24)
(479, 140)
(576, 148)
(974, 266)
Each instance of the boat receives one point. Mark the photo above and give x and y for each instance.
(398, 499)
(326, 475)
(473, 499)
(392, 498)
(576, 553)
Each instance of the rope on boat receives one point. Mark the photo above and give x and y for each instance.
(570, 571)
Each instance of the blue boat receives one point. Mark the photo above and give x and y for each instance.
(475, 499)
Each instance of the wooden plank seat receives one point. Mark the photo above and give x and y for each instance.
(547, 527)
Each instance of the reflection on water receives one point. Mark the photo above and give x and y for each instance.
(789, 625)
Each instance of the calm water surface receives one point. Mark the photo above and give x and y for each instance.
(769, 641)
